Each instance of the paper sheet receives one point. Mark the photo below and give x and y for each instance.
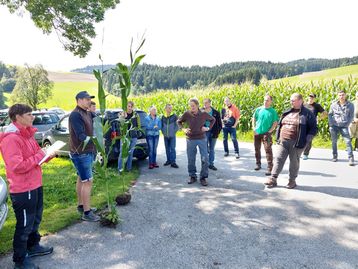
(52, 149)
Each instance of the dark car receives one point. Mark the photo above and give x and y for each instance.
(60, 132)
(43, 121)
(3, 203)
(3, 114)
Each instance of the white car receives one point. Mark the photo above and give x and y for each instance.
(3, 202)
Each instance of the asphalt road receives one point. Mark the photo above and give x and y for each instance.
(233, 223)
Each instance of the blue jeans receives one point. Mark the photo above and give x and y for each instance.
(232, 132)
(191, 150)
(130, 155)
(83, 164)
(211, 147)
(170, 143)
(152, 146)
(335, 130)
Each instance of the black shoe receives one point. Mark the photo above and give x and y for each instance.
(268, 173)
(167, 163)
(26, 264)
(203, 181)
(212, 167)
(258, 167)
(80, 209)
(192, 180)
(237, 155)
(226, 154)
(174, 165)
(39, 250)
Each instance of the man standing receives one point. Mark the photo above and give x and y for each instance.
(229, 113)
(296, 128)
(315, 109)
(169, 130)
(213, 133)
(81, 129)
(195, 137)
(340, 115)
(22, 155)
(129, 115)
(264, 123)
(354, 125)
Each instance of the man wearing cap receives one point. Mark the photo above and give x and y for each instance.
(81, 128)
(315, 109)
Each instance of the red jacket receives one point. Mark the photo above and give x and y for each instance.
(21, 155)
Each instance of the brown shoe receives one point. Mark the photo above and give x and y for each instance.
(191, 180)
(291, 184)
(270, 183)
(203, 181)
(258, 167)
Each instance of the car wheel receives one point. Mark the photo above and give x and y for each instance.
(99, 158)
(46, 144)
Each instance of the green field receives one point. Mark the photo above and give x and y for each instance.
(64, 95)
(329, 74)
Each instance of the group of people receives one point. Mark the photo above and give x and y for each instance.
(295, 130)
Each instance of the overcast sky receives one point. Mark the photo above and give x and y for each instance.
(196, 32)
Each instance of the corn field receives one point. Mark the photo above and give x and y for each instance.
(248, 97)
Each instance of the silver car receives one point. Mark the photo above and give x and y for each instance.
(3, 204)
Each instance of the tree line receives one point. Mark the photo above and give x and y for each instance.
(148, 77)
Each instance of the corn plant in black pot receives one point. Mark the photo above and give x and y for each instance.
(110, 216)
(123, 74)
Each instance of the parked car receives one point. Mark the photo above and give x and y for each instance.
(3, 114)
(59, 111)
(43, 121)
(60, 132)
(3, 202)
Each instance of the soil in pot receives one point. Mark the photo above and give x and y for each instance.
(104, 221)
(123, 199)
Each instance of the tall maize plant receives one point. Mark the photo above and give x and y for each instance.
(248, 97)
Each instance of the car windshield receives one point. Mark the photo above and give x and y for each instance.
(43, 119)
(64, 123)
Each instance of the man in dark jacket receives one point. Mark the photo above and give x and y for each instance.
(213, 133)
(296, 128)
(80, 125)
(169, 130)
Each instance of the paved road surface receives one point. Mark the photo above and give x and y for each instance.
(233, 223)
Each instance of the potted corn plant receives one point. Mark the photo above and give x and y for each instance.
(110, 216)
(124, 74)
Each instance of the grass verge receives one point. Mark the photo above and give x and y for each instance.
(60, 200)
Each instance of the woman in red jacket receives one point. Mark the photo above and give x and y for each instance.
(22, 155)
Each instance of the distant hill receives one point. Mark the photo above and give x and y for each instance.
(328, 74)
(70, 77)
(149, 78)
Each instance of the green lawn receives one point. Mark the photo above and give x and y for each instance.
(59, 179)
(328, 74)
(64, 95)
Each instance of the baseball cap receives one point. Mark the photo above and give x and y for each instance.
(83, 94)
(312, 95)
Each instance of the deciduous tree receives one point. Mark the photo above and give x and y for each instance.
(32, 87)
